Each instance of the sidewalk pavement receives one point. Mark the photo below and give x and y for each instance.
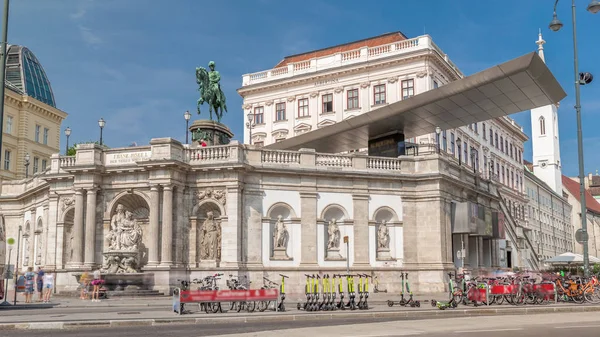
(70, 313)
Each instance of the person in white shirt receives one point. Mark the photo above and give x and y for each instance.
(48, 285)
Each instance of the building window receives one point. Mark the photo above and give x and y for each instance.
(444, 140)
(452, 144)
(44, 164)
(280, 111)
(501, 143)
(511, 151)
(498, 170)
(9, 124)
(36, 164)
(352, 101)
(379, 94)
(408, 88)
(491, 136)
(496, 139)
(503, 175)
(327, 103)
(303, 107)
(46, 131)
(476, 126)
(259, 115)
(7, 160)
(542, 126)
(435, 85)
(484, 131)
(466, 153)
(37, 133)
(506, 146)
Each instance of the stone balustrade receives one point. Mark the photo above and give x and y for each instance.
(348, 57)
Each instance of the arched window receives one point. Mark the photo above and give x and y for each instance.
(542, 126)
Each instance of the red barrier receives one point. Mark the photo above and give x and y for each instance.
(504, 289)
(194, 296)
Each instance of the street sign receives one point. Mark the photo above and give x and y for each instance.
(10, 242)
(581, 236)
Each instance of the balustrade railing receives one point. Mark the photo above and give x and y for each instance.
(67, 161)
(390, 164)
(280, 157)
(208, 154)
(331, 160)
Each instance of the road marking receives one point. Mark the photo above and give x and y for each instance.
(490, 330)
(576, 326)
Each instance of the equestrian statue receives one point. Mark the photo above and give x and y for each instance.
(210, 90)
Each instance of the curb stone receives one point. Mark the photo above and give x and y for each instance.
(423, 314)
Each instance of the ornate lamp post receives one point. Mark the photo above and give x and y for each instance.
(438, 130)
(250, 124)
(187, 116)
(27, 158)
(101, 123)
(580, 79)
(68, 134)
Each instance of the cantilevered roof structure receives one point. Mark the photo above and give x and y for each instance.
(521, 84)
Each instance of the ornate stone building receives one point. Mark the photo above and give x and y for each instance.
(238, 208)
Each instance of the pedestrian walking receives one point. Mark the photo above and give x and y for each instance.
(96, 282)
(84, 281)
(40, 283)
(29, 284)
(48, 286)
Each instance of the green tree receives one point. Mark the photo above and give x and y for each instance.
(73, 149)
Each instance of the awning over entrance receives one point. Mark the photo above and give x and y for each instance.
(520, 84)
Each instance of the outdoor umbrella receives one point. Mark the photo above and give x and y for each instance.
(568, 258)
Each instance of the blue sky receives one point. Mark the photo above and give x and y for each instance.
(132, 62)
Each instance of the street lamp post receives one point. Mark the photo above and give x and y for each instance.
(438, 130)
(249, 125)
(101, 123)
(17, 263)
(68, 134)
(27, 158)
(187, 115)
(580, 79)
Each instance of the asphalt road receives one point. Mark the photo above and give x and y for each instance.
(548, 325)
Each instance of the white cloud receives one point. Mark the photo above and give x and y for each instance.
(89, 37)
(81, 10)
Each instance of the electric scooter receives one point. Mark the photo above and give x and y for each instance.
(351, 294)
(413, 303)
(308, 292)
(452, 303)
(340, 305)
(366, 291)
(404, 302)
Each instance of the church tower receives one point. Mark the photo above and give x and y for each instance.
(544, 139)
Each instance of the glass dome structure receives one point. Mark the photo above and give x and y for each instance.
(25, 73)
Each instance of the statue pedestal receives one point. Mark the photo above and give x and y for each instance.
(207, 264)
(280, 254)
(214, 133)
(383, 254)
(333, 254)
(121, 261)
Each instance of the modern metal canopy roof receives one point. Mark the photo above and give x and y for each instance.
(521, 84)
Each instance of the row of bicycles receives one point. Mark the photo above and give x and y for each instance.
(326, 292)
(520, 289)
(234, 282)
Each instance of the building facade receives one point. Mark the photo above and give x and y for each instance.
(396, 214)
(32, 123)
(315, 89)
(547, 218)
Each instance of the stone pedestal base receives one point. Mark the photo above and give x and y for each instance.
(280, 254)
(383, 254)
(207, 264)
(333, 254)
(214, 133)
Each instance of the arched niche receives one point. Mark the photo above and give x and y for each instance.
(40, 225)
(206, 206)
(385, 213)
(286, 211)
(134, 202)
(27, 231)
(334, 211)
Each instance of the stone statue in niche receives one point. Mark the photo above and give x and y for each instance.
(209, 244)
(333, 241)
(383, 235)
(280, 240)
(383, 241)
(333, 230)
(124, 241)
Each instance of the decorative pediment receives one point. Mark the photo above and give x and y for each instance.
(314, 94)
(247, 106)
(259, 137)
(302, 128)
(421, 74)
(269, 103)
(338, 90)
(291, 98)
(393, 79)
(365, 85)
(325, 122)
(280, 134)
(348, 117)
(209, 193)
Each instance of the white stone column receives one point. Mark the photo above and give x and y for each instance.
(230, 230)
(53, 245)
(308, 233)
(361, 229)
(77, 247)
(167, 227)
(153, 229)
(90, 228)
(33, 238)
(45, 241)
